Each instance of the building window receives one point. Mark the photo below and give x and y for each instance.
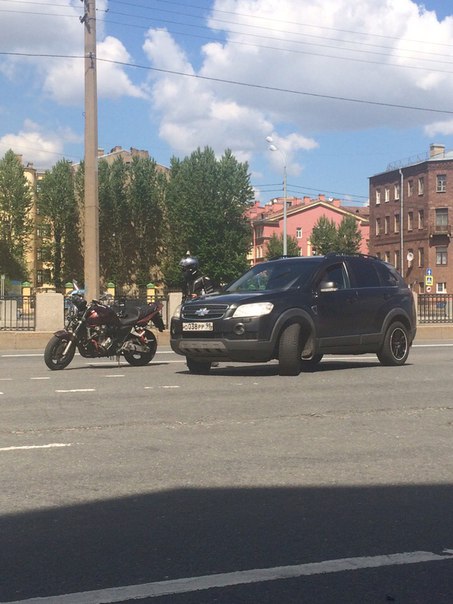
(396, 264)
(441, 183)
(386, 194)
(39, 277)
(441, 288)
(378, 196)
(410, 187)
(259, 232)
(421, 257)
(396, 191)
(386, 225)
(421, 185)
(299, 233)
(441, 255)
(442, 220)
(378, 226)
(410, 221)
(387, 257)
(397, 223)
(421, 219)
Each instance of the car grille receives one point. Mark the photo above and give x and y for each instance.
(206, 312)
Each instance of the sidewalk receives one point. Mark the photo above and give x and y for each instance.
(37, 340)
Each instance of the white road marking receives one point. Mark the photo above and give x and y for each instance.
(40, 378)
(259, 575)
(25, 447)
(78, 390)
(6, 379)
(168, 387)
(114, 375)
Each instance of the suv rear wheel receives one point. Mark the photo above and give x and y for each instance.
(290, 351)
(395, 347)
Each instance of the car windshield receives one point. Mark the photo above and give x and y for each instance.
(273, 275)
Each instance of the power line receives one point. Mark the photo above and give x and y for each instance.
(275, 20)
(238, 83)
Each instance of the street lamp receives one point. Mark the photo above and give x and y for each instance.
(273, 147)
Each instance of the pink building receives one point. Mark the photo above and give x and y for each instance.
(301, 216)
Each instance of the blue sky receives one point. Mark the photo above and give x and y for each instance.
(344, 88)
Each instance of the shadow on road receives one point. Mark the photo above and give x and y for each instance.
(192, 532)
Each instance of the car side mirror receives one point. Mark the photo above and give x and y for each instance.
(328, 286)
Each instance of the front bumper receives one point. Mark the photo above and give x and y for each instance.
(242, 351)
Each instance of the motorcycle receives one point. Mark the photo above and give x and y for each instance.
(96, 330)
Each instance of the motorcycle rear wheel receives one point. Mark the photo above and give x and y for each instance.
(139, 358)
(53, 353)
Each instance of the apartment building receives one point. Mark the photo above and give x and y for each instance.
(302, 215)
(411, 212)
(37, 267)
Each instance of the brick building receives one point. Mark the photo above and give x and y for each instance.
(411, 212)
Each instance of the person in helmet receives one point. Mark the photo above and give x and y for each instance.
(195, 284)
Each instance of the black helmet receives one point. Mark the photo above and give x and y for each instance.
(189, 264)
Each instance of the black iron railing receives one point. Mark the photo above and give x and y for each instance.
(435, 308)
(17, 313)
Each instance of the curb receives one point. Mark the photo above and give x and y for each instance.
(37, 340)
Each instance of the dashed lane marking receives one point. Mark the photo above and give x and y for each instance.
(259, 575)
(77, 390)
(26, 447)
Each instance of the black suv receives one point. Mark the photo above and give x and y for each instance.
(298, 309)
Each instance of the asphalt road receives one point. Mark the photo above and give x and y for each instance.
(333, 487)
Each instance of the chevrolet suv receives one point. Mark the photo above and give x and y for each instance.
(296, 310)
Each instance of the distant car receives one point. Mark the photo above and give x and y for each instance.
(298, 309)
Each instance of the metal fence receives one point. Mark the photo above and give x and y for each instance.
(17, 313)
(435, 308)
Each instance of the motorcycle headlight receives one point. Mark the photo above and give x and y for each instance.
(177, 312)
(256, 309)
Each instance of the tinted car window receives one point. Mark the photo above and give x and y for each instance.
(273, 275)
(336, 274)
(365, 273)
(389, 275)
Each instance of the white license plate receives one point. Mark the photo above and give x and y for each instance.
(198, 326)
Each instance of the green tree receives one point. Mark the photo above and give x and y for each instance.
(274, 247)
(145, 202)
(205, 204)
(349, 237)
(15, 223)
(59, 210)
(323, 237)
(115, 243)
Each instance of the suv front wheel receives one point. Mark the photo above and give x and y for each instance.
(395, 347)
(290, 351)
(198, 367)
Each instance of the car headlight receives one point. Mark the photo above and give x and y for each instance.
(177, 312)
(257, 309)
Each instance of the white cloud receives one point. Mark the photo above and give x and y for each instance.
(443, 127)
(324, 51)
(64, 81)
(43, 149)
(33, 32)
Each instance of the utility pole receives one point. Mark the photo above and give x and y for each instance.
(91, 268)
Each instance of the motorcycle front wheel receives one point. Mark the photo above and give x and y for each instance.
(138, 358)
(54, 356)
